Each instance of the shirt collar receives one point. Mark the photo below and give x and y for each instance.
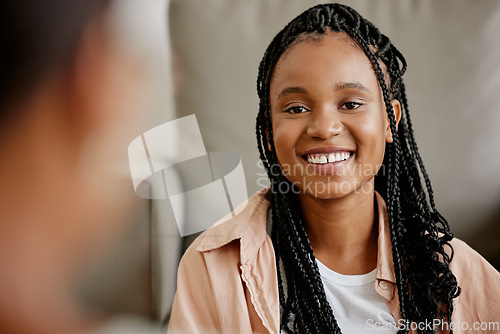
(248, 224)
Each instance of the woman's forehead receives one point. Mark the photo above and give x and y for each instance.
(332, 57)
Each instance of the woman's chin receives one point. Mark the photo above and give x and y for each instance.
(326, 191)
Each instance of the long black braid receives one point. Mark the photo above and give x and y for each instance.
(419, 234)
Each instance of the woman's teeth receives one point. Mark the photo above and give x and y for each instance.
(327, 158)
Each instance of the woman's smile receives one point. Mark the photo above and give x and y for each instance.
(328, 160)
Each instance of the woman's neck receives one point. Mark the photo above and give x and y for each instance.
(343, 232)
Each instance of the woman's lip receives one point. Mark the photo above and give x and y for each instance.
(328, 149)
(329, 168)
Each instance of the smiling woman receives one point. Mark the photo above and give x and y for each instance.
(348, 238)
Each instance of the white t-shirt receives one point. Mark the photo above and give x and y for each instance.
(357, 307)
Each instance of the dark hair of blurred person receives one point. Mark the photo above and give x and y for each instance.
(68, 91)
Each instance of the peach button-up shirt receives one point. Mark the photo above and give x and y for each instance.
(227, 280)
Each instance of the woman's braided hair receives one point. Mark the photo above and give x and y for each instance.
(425, 284)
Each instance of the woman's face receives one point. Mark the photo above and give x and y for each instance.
(328, 116)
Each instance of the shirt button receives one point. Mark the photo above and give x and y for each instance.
(383, 285)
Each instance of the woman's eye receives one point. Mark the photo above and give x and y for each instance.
(350, 105)
(296, 110)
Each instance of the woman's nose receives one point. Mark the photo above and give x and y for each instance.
(324, 123)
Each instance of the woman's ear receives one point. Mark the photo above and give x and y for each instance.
(396, 107)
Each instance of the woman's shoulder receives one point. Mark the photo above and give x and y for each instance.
(479, 281)
(212, 271)
(468, 265)
(466, 258)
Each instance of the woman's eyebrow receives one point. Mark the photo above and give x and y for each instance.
(346, 85)
(338, 86)
(292, 90)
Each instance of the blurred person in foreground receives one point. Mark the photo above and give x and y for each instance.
(69, 98)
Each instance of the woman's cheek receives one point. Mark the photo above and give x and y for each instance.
(369, 135)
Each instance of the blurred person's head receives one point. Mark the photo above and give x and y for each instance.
(69, 92)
